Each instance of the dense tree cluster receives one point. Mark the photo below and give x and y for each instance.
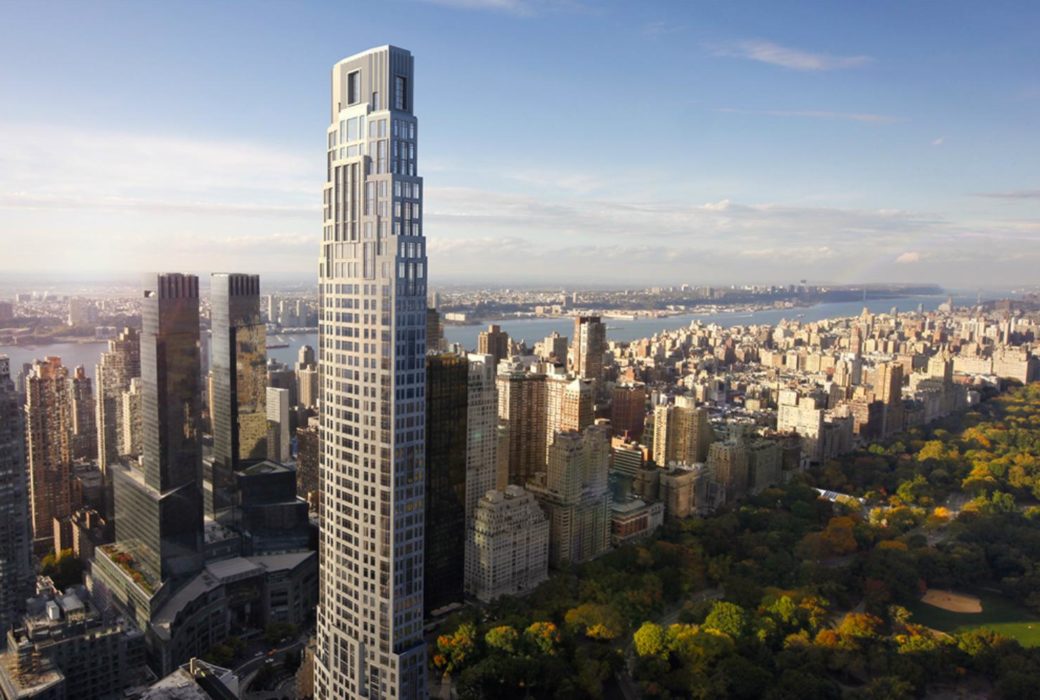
(814, 592)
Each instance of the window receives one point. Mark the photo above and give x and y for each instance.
(375, 102)
(353, 87)
(400, 92)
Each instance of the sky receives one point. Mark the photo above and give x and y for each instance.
(562, 142)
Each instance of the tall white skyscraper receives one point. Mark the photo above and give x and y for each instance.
(372, 398)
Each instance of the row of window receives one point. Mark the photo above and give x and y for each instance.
(400, 91)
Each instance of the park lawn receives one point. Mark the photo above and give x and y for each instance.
(998, 614)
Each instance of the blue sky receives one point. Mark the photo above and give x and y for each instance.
(562, 141)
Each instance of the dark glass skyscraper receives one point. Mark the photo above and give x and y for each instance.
(239, 370)
(159, 507)
(16, 572)
(447, 400)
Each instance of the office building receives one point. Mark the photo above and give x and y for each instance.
(155, 574)
(16, 571)
(282, 376)
(493, 341)
(434, 330)
(195, 680)
(158, 508)
(447, 400)
(278, 445)
(372, 276)
(481, 431)
(588, 347)
(268, 514)
(48, 438)
(84, 410)
(238, 371)
(507, 545)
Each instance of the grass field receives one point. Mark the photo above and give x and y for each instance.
(998, 614)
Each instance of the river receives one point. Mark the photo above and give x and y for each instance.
(532, 330)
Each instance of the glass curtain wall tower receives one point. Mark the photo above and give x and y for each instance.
(239, 370)
(159, 507)
(16, 571)
(372, 348)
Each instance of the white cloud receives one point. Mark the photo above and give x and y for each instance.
(103, 201)
(908, 258)
(939, 141)
(1012, 194)
(787, 57)
(815, 114)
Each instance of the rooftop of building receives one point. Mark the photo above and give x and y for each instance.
(190, 682)
(221, 572)
(265, 467)
(630, 506)
(29, 678)
(123, 557)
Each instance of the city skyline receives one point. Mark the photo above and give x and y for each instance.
(832, 144)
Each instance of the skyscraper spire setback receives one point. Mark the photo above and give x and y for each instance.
(372, 345)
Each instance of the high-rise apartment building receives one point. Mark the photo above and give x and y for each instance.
(522, 409)
(16, 572)
(159, 507)
(307, 377)
(493, 341)
(130, 425)
(48, 439)
(372, 327)
(238, 367)
(482, 431)
(888, 388)
(588, 347)
(729, 465)
(554, 349)
(120, 364)
(628, 410)
(507, 545)
(682, 433)
(569, 405)
(84, 410)
(447, 399)
(574, 491)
